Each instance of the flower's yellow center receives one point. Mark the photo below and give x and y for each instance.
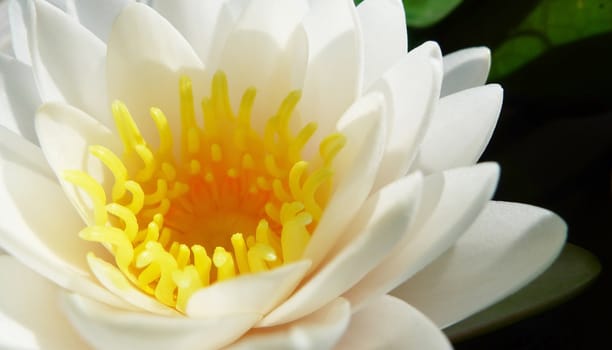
(236, 202)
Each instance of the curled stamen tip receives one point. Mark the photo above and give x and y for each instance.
(250, 92)
(219, 256)
(143, 259)
(184, 81)
(219, 75)
(295, 94)
(118, 106)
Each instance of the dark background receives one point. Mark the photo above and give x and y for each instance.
(554, 145)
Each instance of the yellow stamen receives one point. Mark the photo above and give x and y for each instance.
(95, 191)
(224, 263)
(240, 251)
(247, 197)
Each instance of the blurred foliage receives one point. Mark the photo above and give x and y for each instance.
(423, 13)
(551, 23)
(541, 49)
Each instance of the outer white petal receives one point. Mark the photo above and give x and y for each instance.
(18, 97)
(411, 90)
(257, 293)
(355, 168)
(384, 36)
(465, 69)
(270, 35)
(97, 15)
(451, 201)
(334, 76)
(15, 149)
(506, 247)
(390, 323)
(31, 204)
(65, 133)
(19, 15)
(107, 328)
(319, 330)
(145, 59)
(461, 129)
(71, 69)
(30, 317)
(377, 227)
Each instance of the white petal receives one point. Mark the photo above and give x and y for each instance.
(18, 97)
(319, 330)
(30, 230)
(278, 16)
(460, 129)
(321, 31)
(384, 34)
(411, 90)
(256, 293)
(205, 24)
(107, 328)
(97, 15)
(65, 133)
(334, 75)
(32, 202)
(19, 15)
(451, 201)
(270, 35)
(355, 168)
(145, 60)
(236, 6)
(200, 22)
(30, 317)
(465, 69)
(389, 323)
(507, 246)
(71, 69)
(15, 149)
(377, 227)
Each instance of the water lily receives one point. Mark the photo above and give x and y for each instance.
(205, 174)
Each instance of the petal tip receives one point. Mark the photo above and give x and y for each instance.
(431, 49)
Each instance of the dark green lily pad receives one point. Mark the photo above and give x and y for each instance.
(571, 273)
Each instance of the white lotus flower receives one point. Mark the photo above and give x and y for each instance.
(228, 222)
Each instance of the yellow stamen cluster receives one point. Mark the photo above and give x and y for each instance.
(235, 202)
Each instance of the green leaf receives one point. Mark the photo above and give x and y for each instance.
(573, 271)
(550, 24)
(424, 13)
